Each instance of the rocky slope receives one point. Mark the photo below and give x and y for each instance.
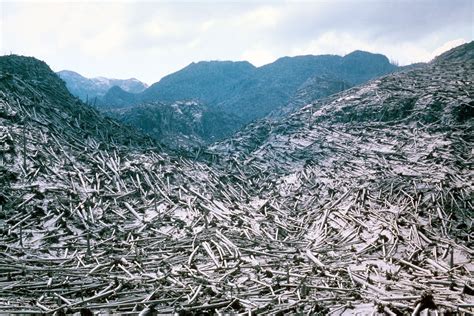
(356, 204)
(92, 90)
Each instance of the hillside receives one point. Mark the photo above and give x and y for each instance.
(93, 89)
(178, 125)
(357, 203)
(208, 82)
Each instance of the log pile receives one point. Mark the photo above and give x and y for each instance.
(322, 212)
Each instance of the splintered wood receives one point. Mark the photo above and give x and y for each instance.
(317, 216)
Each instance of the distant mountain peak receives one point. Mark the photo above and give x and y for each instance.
(362, 53)
(221, 62)
(211, 65)
(97, 87)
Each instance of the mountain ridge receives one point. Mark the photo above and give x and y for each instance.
(246, 92)
(301, 66)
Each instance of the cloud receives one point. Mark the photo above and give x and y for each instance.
(258, 56)
(262, 17)
(340, 43)
(52, 27)
(106, 41)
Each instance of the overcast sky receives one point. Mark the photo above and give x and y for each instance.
(150, 39)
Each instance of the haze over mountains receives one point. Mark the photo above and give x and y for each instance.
(356, 203)
(232, 94)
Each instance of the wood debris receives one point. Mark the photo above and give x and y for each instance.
(322, 212)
